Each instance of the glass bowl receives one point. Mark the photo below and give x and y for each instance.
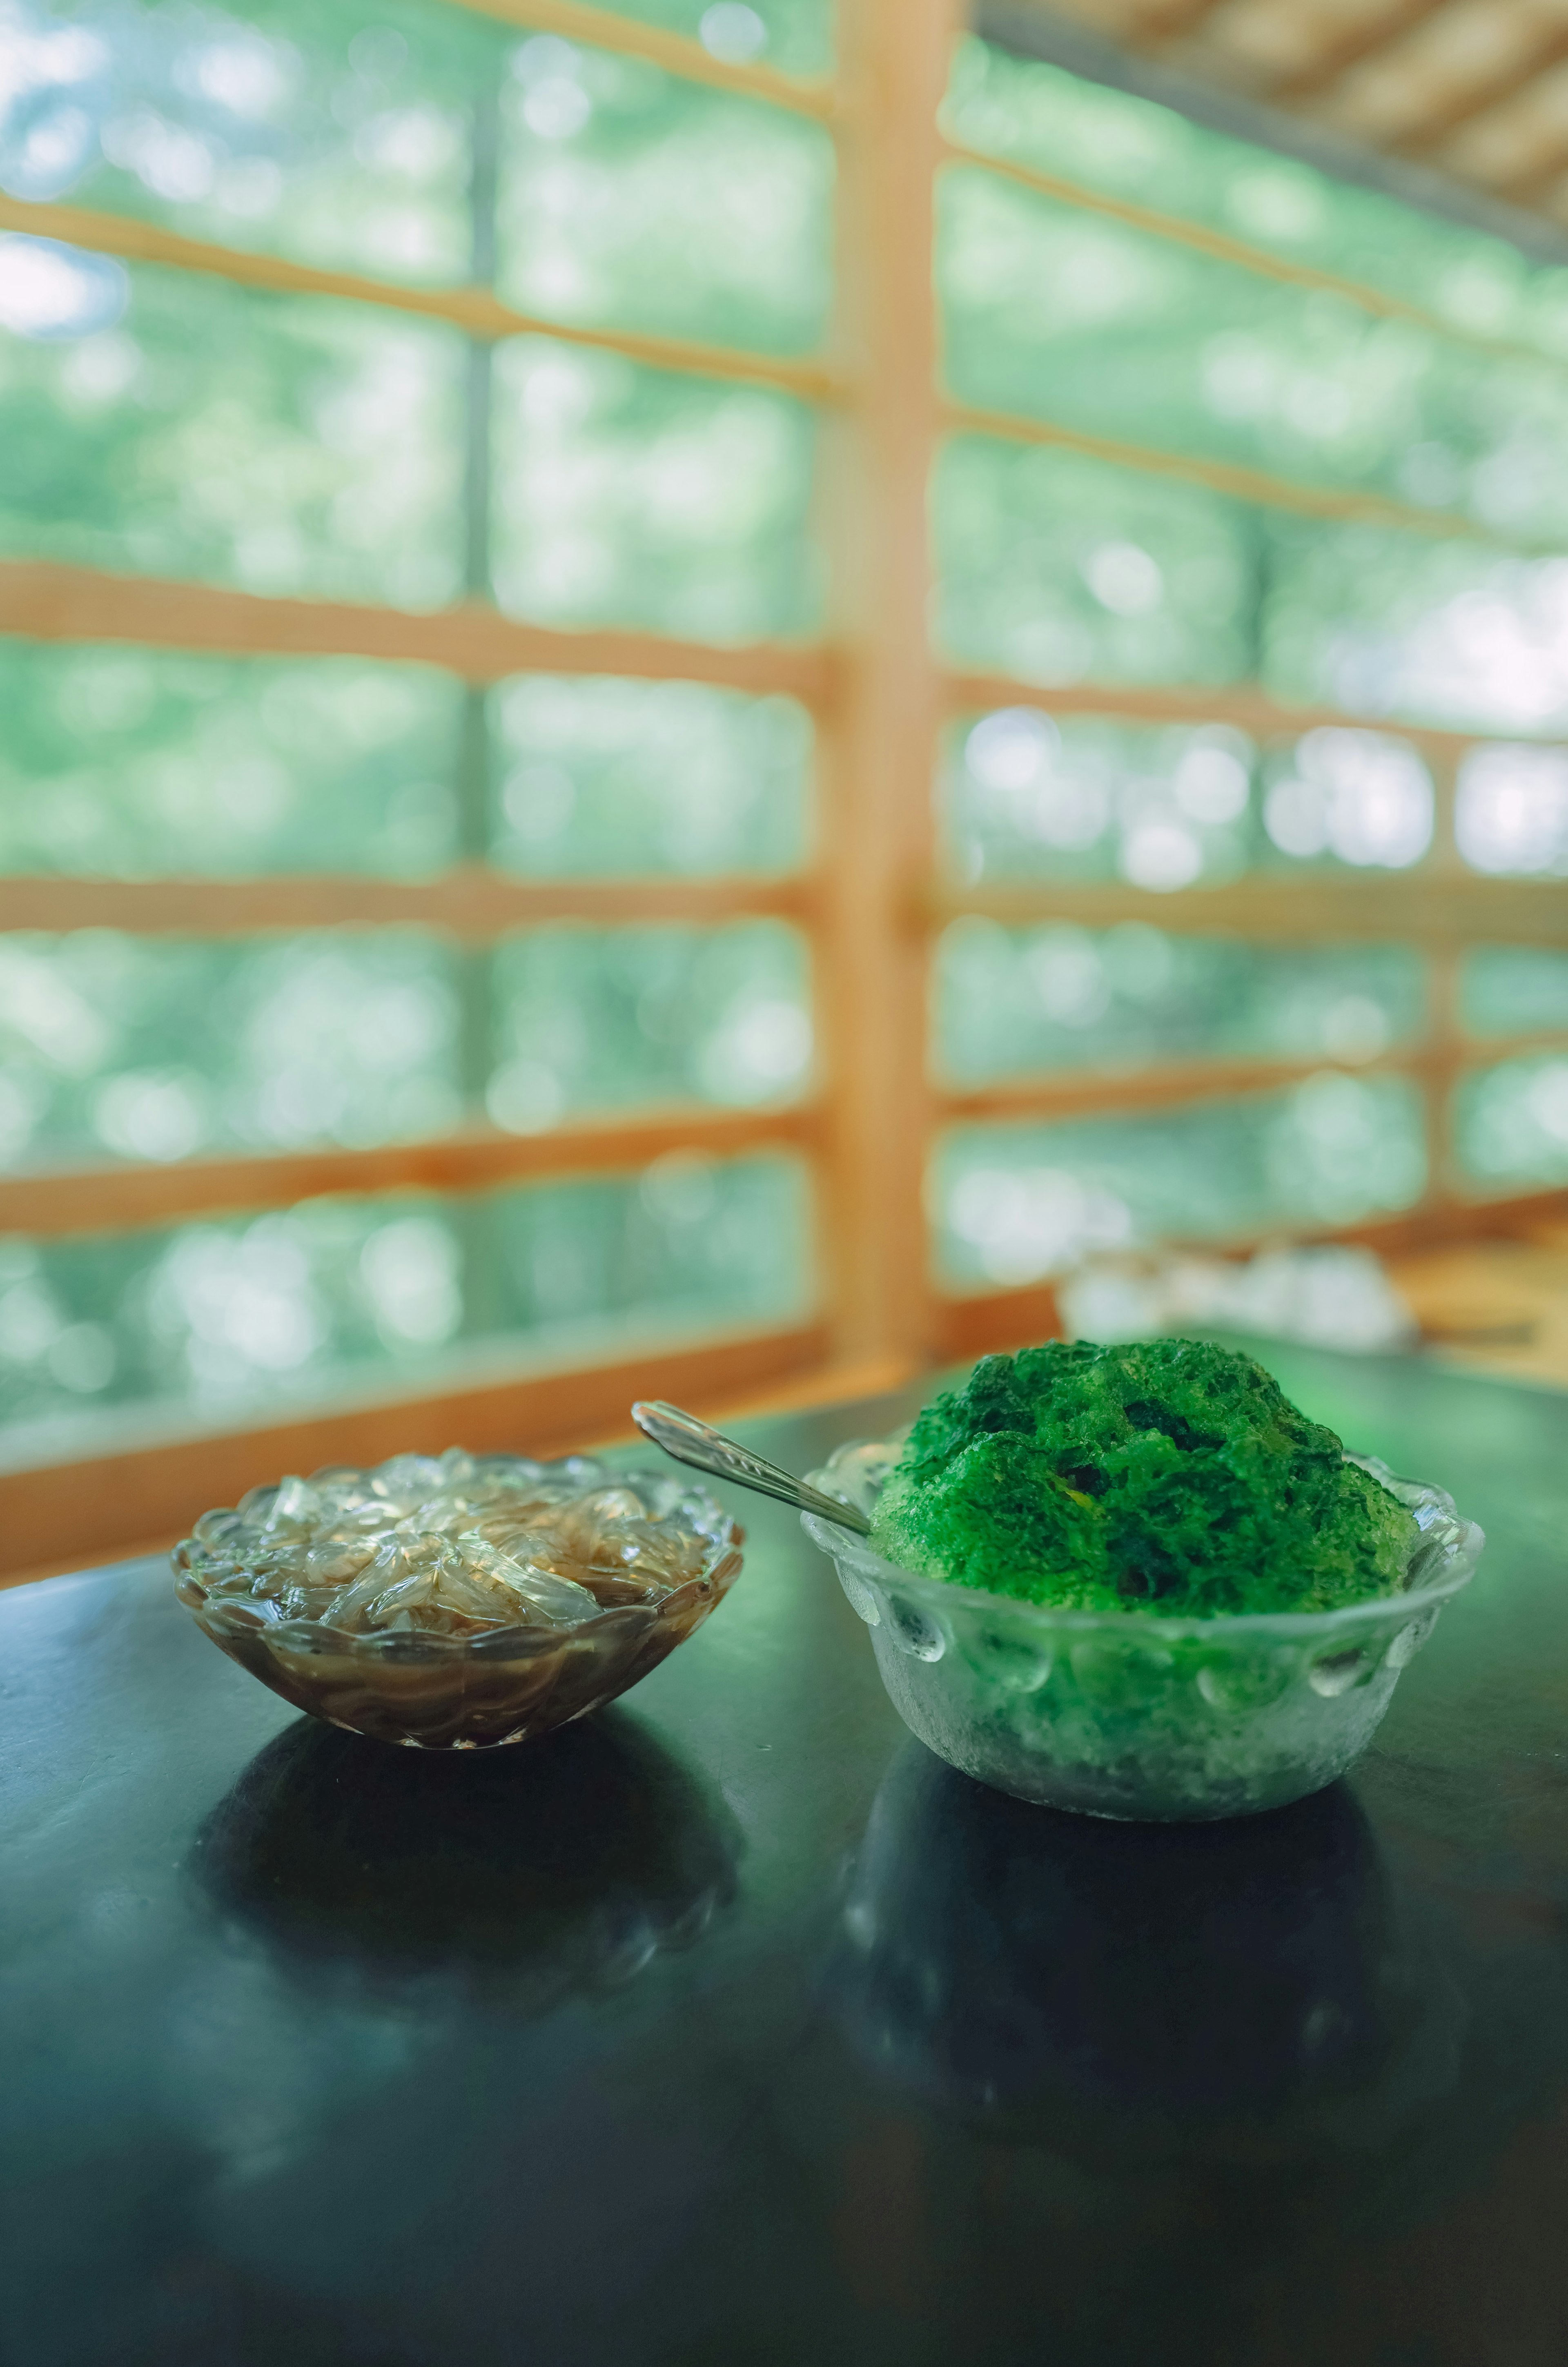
(1123, 1714)
(239, 1574)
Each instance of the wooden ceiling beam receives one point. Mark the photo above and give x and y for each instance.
(1550, 48)
(1321, 73)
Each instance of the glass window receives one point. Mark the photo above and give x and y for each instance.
(334, 133)
(1509, 989)
(1015, 1203)
(1066, 997)
(596, 776)
(634, 196)
(159, 424)
(632, 496)
(1511, 1122)
(613, 1018)
(102, 1339)
(159, 1048)
(1511, 810)
(129, 763)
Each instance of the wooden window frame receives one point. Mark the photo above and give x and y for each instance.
(872, 903)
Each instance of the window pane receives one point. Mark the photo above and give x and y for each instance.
(597, 776)
(634, 196)
(1505, 989)
(159, 1047)
(127, 763)
(1165, 808)
(1057, 313)
(1132, 147)
(632, 496)
(1017, 1202)
(335, 133)
(172, 426)
(1064, 997)
(109, 1339)
(609, 1018)
(1511, 1122)
(1382, 623)
(1511, 810)
(1061, 569)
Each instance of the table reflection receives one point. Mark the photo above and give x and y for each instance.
(561, 1866)
(1138, 1987)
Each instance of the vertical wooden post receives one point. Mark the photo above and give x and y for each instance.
(880, 742)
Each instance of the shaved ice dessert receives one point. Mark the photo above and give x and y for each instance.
(1168, 1475)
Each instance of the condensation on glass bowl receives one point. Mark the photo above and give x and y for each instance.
(458, 1601)
(1123, 1714)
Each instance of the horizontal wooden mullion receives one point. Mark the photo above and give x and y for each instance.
(1332, 505)
(48, 600)
(1220, 246)
(121, 1197)
(472, 903)
(477, 312)
(1434, 906)
(675, 53)
(1245, 704)
(159, 1486)
(1082, 1093)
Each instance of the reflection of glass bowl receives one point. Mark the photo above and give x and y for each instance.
(437, 1691)
(525, 1876)
(1124, 1991)
(1122, 1714)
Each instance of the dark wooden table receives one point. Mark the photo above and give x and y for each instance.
(730, 2028)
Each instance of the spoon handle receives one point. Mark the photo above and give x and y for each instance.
(705, 1449)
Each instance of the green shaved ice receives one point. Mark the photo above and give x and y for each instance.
(1170, 1475)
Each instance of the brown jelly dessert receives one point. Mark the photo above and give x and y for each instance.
(456, 1602)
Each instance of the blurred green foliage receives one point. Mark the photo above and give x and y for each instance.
(1511, 1122)
(1015, 1203)
(1133, 148)
(1065, 997)
(606, 1019)
(1117, 331)
(218, 1321)
(283, 445)
(628, 196)
(157, 1048)
(1508, 990)
(646, 776)
(627, 495)
(1168, 807)
(131, 763)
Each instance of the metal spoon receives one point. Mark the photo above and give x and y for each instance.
(705, 1449)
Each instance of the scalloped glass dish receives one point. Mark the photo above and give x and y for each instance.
(1124, 1713)
(497, 1683)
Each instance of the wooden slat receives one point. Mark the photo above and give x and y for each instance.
(878, 755)
(1247, 705)
(1220, 246)
(980, 1322)
(475, 310)
(1335, 59)
(1337, 504)
(1426, 906)
(157, 1488)
(1082, 1093)
(120, 1197)
(46, 600)
(802, 95)
(1476, 98)
(470, 902)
